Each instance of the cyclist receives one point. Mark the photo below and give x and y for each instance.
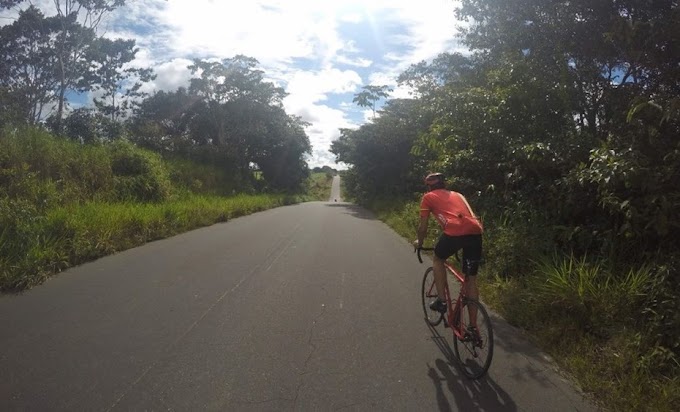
(461, 230)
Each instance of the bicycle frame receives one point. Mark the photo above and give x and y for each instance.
(452, 310)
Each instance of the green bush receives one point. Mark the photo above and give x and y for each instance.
(661, 321)
(593, 297)
(138, 175)
(513, 240)
(199, 178)
(32, 163)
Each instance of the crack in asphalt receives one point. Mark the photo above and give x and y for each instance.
(311, 353)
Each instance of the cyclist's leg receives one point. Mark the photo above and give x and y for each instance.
(445, 247)
(472, 254)
(439, 276)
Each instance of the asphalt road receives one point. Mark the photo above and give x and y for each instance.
(335, 190)
(308, 307)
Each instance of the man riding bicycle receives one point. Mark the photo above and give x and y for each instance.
(461, 230)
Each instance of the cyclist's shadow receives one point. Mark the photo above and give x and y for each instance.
(482, 394)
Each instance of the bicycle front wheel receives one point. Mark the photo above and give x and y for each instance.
(429, 294)
(475, 349)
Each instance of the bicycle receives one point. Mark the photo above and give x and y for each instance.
(468, 320)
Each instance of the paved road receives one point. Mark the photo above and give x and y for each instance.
(307, 307)
(335, 190)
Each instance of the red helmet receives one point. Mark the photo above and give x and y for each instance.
(435, 181)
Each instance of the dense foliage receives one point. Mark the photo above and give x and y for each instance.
(561, 126)
(63, 203)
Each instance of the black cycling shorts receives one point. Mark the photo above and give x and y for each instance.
(472, 250)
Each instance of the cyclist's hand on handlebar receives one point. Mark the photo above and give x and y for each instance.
(417, 247)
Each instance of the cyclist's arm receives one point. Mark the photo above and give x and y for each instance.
(422, 229)
(424, 218)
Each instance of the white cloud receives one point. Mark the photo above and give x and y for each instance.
(323, 132)
(306, 87)
(172, 74)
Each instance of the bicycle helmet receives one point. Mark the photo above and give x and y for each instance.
(435, 181)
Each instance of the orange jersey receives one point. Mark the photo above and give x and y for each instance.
(452, 212)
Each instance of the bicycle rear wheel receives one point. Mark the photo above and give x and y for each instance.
(475, 349)
(429, 294)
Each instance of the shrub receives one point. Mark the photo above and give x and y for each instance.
(138, 175)
(593, 297)
(200, 178)
(661, 321)
(513, 240)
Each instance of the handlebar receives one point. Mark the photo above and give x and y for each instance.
(418, 249)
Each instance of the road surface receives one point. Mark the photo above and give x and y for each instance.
(335, 190)
(301, 308)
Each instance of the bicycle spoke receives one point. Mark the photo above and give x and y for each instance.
(429, 294)
(475, 349)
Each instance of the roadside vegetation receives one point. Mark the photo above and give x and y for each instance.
(63, 203)
(560, 127)
(610, 327)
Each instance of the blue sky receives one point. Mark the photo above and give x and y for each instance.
(322, 52)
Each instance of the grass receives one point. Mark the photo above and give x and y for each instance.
(590, 333)
(69, 235)
(319, 187)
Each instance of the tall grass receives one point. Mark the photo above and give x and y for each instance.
(63, 203)
(592, 318)
(73, 234)
(593, 295)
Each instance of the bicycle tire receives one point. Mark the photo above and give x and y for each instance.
(474, 355)
(428, 294)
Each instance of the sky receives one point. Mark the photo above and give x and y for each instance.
(320, 51)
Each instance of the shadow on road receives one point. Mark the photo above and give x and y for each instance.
(470, 395)
(354, 210)
(515, 344)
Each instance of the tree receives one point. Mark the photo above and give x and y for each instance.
(79, 22)
(370, 95)
(380, 152)
(236, 100)
(110, 58)
(610, 64)
(27, 64)
(230, 112)
(281, 155)
(163, 121)
(227, 81)
(49, 56)
(8, 4)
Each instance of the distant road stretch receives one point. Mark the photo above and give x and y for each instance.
(335, 190)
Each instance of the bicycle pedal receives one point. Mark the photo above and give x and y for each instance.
(446, 323)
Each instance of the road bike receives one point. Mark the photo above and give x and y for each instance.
(468, 319)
